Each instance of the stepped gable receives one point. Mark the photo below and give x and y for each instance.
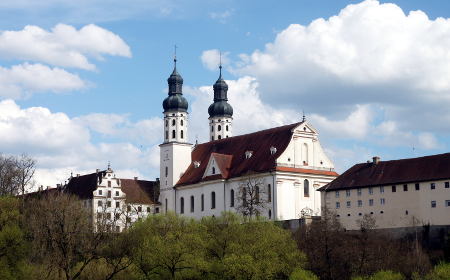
(140, 191)
(411, 170)
(235, 147)
(83, 186)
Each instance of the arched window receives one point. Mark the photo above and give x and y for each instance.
(212, 138)
(173, 133)
(213, 200)
(257, 194)
(167, 134)
(270, 214)
(219, 137)
(167, 171)
(269, 193)
(167, 123)
(219, 127)
(306, 188)
(166, 205)
(305, 154)
(226, 127)
(192, 204)
(173, 122)
(212, 128)
(202, 202)
(182, 205)
(213, 171)
(232, 198)
(182, 134)
(181, 122)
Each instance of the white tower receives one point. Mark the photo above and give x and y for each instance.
(175, 151)
(220, 112)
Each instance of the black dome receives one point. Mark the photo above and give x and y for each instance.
(220, 109)
(175, 102)
(175, 78)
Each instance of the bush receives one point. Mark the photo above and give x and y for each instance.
(439, 272)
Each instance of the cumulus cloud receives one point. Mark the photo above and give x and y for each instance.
(370, 53)
(211, 59)
(22, 80)
(61, 144)
(63, 45)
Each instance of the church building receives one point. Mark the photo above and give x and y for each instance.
(274, 173)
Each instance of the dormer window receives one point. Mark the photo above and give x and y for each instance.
(213, 170)
(273, 150)
(248, 154)
(196, 164)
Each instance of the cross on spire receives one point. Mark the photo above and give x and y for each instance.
(220, 63)
(304, 117)
(175, 56)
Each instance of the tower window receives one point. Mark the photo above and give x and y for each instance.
(173, 133)
(212, 128)
(226, 127)
(182, 135)
(167, 123)
(219, 127)
(212, 138)
(173, 122)
(167, 171)
(167, 134)
(181, 122)
(219, 137)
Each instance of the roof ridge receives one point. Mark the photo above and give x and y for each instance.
(410, 158)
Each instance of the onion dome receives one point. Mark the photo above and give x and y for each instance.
(175, 101)
(220, 107)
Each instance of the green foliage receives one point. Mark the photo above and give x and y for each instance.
(439, 272)
(12, 242)
(301, 274)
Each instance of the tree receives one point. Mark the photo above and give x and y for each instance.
(16, 174)
(252, 197)
(12, 240)
(383, 275)
(63, 238)
(301, 274)
(169, 247)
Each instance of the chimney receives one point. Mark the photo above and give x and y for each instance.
(78, 175)
(157, 179)
(135, 178)
(376, 160)
(97, 170)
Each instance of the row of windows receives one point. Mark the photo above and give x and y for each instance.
(360, 203)
(174, 134)
(434, 203)
(232, 199)
(394, 189)
(218, 137)
(360, 214)
(109, 193)
(219, 128)
(108, 204)
(173, 122)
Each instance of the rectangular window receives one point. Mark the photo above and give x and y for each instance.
(349, 204)
(139, 209)
(405, 188)
(381, 189)
(157, 210)
(117, 193)
(338, 205)
(148, 209)
(447, 203)
(359, 203)
(347, 193)
(433, 204)
(370, 190)
(117, 229)
(433, 186)
(447, 185)
(100, 203)
(337, 194)
(359, 192)
(99, 192)
(129, 208)
(109, 184)
(117, 204)
(109, 194)
(370, 202)
(417, 186)
(117, 215)
(108, 203)
(394, 188)
(382, 201)
(108, 216)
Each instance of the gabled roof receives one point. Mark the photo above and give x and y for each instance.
(83, 186)
(234, 148)
(411, 170)
(223, 162)
(140, 191)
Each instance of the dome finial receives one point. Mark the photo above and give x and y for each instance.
(304, 117)
(175, 57)
(220, 64)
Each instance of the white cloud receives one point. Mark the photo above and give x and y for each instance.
(221, 16)
(62, 145)
(370, 53)
(211, 59)
(62, 46)
(24, 79)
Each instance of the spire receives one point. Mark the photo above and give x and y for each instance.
(304, 117)
(220, 65)
(175, 101)
(175, 59)
(220, 107)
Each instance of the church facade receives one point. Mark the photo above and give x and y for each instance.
(274, 173)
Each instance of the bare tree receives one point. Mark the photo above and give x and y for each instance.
(252, 197)
(16, 174)
(26, 167)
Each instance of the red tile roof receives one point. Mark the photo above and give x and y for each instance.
(307, 171)
(140, 191)
(428, 168)
(223, 162)
(230, 153)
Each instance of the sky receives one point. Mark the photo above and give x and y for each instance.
(82, 82)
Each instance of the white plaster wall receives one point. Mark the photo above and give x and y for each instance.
(417, 203)
(214, 132)
(181, 124)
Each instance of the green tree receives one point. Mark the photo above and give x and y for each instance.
(382, 275)
(301, 274)
(12, 241)
(168, 247)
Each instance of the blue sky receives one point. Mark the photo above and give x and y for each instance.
(371, 77)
